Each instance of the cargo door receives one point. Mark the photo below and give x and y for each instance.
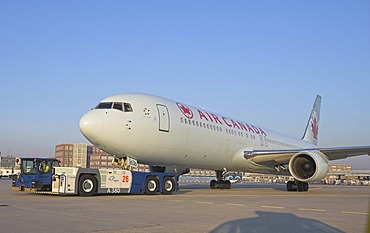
(164, 118)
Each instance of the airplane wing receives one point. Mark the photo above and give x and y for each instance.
(283, 156)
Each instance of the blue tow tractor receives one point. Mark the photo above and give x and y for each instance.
(42, 175)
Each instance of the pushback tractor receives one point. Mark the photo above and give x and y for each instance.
(42, 175)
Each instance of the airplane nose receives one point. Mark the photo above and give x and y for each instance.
(91, 125)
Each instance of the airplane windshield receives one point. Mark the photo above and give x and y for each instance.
(28, 166)
(125, 107)
(104, 105)
(128, 107)
(118, 106)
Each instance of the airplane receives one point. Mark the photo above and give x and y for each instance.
(167, 135)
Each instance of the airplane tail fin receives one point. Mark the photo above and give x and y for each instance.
(312, 128)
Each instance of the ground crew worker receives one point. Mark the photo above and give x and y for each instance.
(46, 167)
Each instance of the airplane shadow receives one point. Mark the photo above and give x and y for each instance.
(275, 222)
(280, 187)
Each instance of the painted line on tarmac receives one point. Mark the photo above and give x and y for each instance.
(219, 195)
(234, 204)
(176, 200)
(203, 202)
(272, 207)
(358, 213)
(314, 210)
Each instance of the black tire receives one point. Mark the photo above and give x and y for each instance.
(224, 184)
(301, 186)
(87, 185)
(151, 185)
(227, 184)
(290, 186)
(305, 187)
(169, 185)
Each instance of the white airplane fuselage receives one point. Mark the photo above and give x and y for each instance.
(158, 131)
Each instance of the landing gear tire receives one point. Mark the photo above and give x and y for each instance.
(87, 185)
(220, 184)
(168, 186)
(151, 185)
(297, 186)
(291, 186)
(305, 186)
(302, 186)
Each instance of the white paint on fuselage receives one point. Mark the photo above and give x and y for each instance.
(217, 144)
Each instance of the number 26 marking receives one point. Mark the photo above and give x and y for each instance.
(125, 179)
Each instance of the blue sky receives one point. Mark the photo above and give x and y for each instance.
(259, 61)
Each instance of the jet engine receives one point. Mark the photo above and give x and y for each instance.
(308, 166)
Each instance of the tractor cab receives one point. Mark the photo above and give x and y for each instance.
(36, 174)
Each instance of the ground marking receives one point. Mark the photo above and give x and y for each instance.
(316, 210)
(203, 202)
(349, 212)
(272, 207)
(232, 204)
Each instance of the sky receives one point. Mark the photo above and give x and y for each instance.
(262, 62)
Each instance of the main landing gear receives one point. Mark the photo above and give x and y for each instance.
(220, 183)
(297, 186)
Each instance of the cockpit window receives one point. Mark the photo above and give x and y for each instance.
(118, 106)
(104, 105)
(125, 107)
(128, 107)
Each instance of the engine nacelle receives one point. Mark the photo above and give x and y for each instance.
(308, 166)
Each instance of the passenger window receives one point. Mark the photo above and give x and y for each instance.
(104, 105)
(118, 106)
(127, 107)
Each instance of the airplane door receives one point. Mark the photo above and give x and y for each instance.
(164, 118)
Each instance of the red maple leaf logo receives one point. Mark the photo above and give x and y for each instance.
(315, 128)
(185, 110)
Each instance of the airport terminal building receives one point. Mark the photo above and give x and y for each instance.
(85, 156)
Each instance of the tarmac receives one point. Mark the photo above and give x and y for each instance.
(256, 208)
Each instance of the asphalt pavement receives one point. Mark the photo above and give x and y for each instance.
(257, 208)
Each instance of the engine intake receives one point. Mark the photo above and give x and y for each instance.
(308, 166)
